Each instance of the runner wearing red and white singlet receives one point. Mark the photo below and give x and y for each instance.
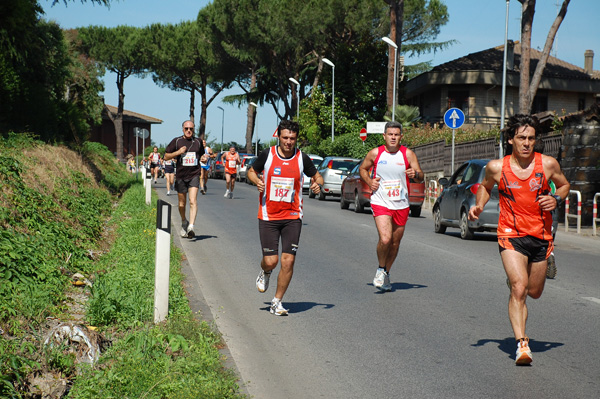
(387, 169)
(524, 228)
(231, 160)
(154, 158)
(280, 207)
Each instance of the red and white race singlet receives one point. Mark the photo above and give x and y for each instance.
(230, 163)
(282, 197)
(394, 185)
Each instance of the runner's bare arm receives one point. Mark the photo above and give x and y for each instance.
(553, 172)
(414, 171)
(492, 176)
(253, 177)
(364, 168)
(316, 182)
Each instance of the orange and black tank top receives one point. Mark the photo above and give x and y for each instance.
(520, 212)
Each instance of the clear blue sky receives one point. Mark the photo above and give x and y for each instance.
(476, 25)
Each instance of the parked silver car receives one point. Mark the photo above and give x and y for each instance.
(316, 161)
(451, 208)
(242, 168)
(332, 169)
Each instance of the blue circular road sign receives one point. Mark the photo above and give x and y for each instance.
(454, 118)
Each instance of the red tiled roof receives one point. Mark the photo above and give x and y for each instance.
(492, 59)
(134, 116)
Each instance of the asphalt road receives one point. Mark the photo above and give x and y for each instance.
(443, 331)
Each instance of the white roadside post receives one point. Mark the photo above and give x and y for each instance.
(162, 259)
(148, 181)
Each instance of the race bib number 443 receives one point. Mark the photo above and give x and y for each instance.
(282, 189)
(394, 190)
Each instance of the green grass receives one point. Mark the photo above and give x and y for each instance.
(56, 207)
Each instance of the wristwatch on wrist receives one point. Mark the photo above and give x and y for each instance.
(558, 199)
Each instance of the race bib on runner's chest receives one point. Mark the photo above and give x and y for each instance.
(189, 159)
(393, 190)
(282, 189)
(232, 164)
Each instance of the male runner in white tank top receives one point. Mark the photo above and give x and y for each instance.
(393, 164)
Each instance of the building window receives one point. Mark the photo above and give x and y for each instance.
(581, 104)
(540, 103)
(458, 99)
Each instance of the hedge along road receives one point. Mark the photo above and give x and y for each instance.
(442, 332)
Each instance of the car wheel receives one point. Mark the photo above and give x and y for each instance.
(343, 203)
(321, 196)
(358, 207)
(438, 227)
(551, 270)
(466, 233)
(311, 194)
(415, 211)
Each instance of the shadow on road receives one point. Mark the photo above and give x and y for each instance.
(400, 287)
(297, 307)
(200, 237)
(509, 346)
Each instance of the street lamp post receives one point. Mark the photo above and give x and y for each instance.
(256, 111)
(294, 81)
(391, 43)
(502, 106)
(222, 126)
(332, 65)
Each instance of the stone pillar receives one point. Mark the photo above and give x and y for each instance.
(581, 158)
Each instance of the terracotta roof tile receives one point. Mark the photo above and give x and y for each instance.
(134, 116)
(491, 60)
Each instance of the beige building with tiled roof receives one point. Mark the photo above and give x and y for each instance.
(105, 133)
(473, 83)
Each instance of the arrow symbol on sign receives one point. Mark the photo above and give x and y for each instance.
(454, 116)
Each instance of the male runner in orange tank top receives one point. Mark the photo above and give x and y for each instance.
(524, 227)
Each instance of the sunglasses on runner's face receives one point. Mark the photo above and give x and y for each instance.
(188, 128)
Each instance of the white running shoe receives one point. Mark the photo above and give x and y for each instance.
(168, 192)
(379, 279)
(226, 194)
(184, 227)
(190, 231)
(277, 308)
(382, 280)
(262, 281)
(523, 356)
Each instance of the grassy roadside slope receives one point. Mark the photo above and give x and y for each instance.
(57, 220)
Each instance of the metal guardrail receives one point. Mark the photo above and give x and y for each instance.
(578, 215)
(595, 217)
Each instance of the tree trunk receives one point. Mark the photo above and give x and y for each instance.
(118, 119)
(251, 117)
(396, 22)
(192, 104)
(537, 75)
(527, 11)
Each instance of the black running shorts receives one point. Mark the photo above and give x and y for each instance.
(271, 230)
(182, 186)
(535, 249)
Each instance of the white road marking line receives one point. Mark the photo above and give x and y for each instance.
(592, 299)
